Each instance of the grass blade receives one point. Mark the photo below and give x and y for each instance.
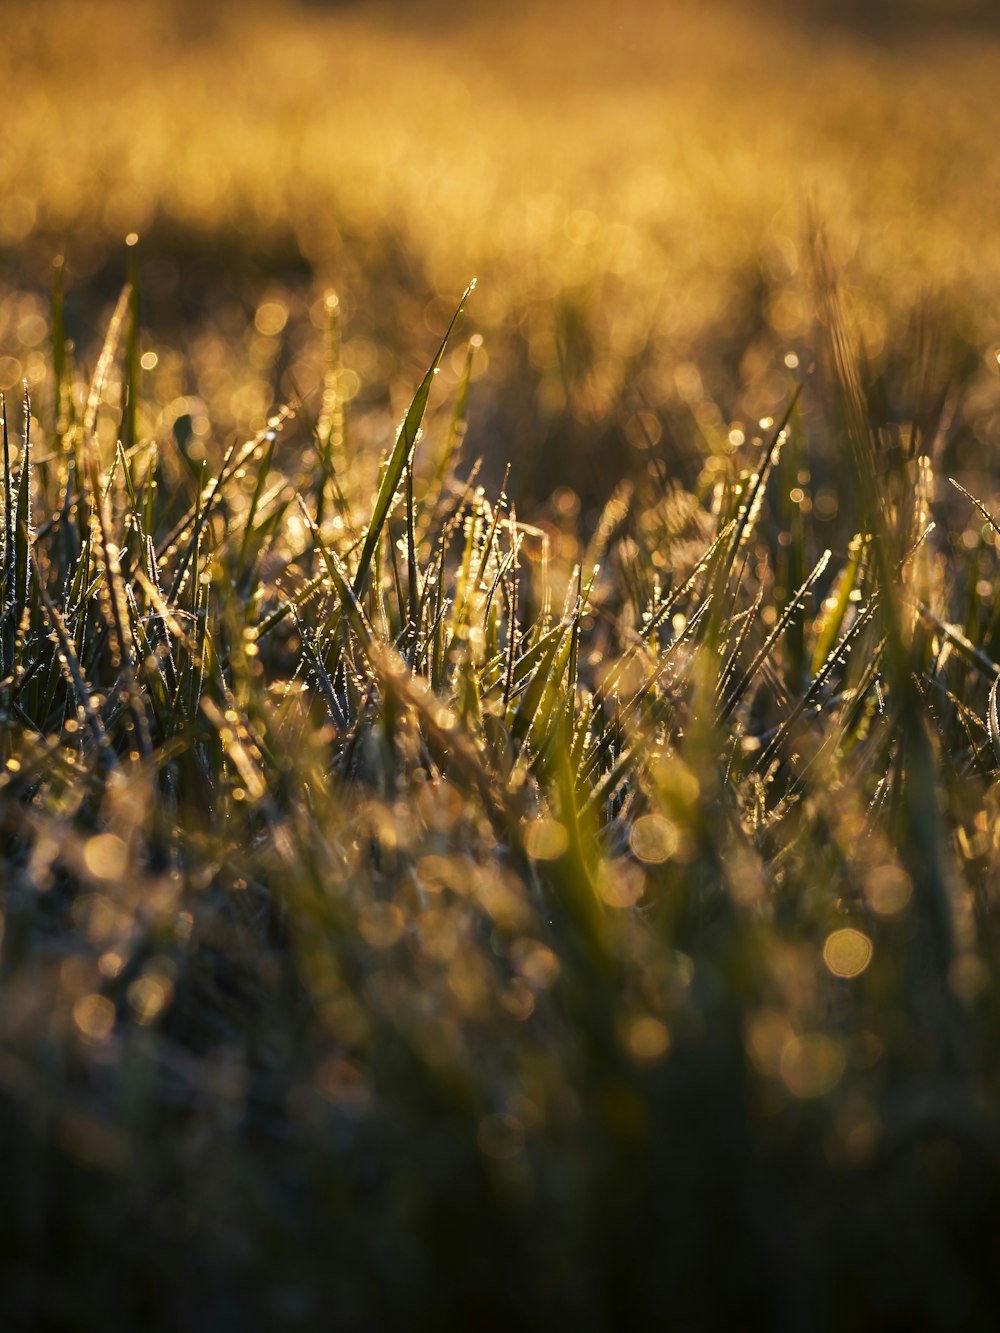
(399, 458)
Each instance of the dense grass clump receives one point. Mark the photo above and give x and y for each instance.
(417, 917)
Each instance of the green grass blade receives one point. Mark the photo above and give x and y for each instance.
(400, 456)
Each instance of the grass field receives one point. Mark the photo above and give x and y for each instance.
(633, 187)
(443, 895)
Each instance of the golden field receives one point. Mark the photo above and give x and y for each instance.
(634, 186)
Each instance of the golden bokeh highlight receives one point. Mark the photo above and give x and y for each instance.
(812, 1065)
(647, 1039)
(847, 952)
(654, 838)
(766, 1035)
(620, 884)
(888, 889)
(545, 839)
(94, 1018)
(105, 856)
(271, 318)
(381, 925)
(149, 995)
(536, 963)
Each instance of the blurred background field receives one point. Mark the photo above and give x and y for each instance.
(634, 186)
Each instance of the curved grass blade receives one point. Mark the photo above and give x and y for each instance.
(457, 428)
(399, 458)
(740, 688)
(70, 664)
(992, 721)
(104, 364)
(831, 620)
(751, 507)
(979, 505)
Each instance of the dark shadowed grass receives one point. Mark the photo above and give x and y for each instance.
(419, 917)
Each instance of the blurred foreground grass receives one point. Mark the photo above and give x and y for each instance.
(435, 901)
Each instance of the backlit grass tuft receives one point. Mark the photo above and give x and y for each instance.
(416, 915)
